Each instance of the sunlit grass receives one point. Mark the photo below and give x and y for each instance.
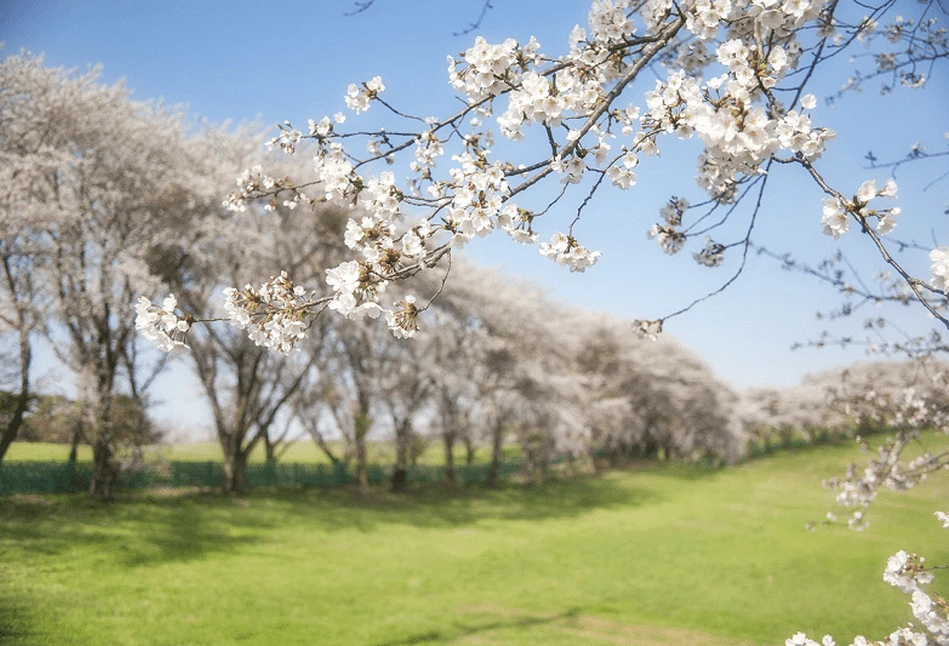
(45, 452)
(660, 554)
(301, 452)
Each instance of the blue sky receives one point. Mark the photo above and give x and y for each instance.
(243, 61)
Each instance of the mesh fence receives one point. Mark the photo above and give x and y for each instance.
(59, 477)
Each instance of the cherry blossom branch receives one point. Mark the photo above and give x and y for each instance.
(854, 209)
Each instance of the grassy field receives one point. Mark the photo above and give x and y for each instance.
(302, 452)
(659, 554)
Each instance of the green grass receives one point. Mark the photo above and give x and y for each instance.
(45, 452)
(302, 452)
(661, 554)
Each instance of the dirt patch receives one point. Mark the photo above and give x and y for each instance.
(598, 629)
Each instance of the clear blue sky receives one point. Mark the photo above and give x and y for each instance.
(244, 61)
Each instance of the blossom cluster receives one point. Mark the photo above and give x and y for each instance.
(543, 100)
(801, 639)
(355, 289)
(273, 314)
(403, 320)
(712, 255)
(906, 412)
(931, 611)
(648, 329)
(739, 134)
(161, 325)
(940, 268)
(669, 236)
(906, 572)
(358, 98)
(836, 218)
(286, 140)
(909, 573)
(255, 182)
(568, 252)
(486, 68)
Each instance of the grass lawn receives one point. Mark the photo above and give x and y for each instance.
(302, 452)
(660, 554)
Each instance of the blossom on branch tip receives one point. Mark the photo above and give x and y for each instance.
(622, 177)
(905, 571)
(836, 221)
(161, 325)
(886, 220)
(572, 169)
(566, 251)
(866, 192)
(321, 128)
(403, 321)
(801, 639)
(287, 139)
(940, 268)
(712, 255)
(272, 314)
(648, 329)
(668, 238)
(358, 98)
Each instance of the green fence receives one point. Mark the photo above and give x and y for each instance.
(59, 477)
(44, 477)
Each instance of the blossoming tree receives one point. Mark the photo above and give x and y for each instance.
(248, 388)
(20, 317)
(94, 184)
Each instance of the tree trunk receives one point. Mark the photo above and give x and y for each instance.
(9, 433)
(269, 448)
(23, 398)
(449, 478)
(651, 449)
(528, 457)
(469, 451)
(105, 471)
(235, 470)
(324, 446)
(400, 473)
(74, 442)
(362, 471)
(417, 447)
(497, 437)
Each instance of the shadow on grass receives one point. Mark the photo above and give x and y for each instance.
(435, 506)
(148, 528)
(135, 531)
(16, 623)
(443, 636)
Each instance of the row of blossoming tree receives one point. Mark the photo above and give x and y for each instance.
(85, 229)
